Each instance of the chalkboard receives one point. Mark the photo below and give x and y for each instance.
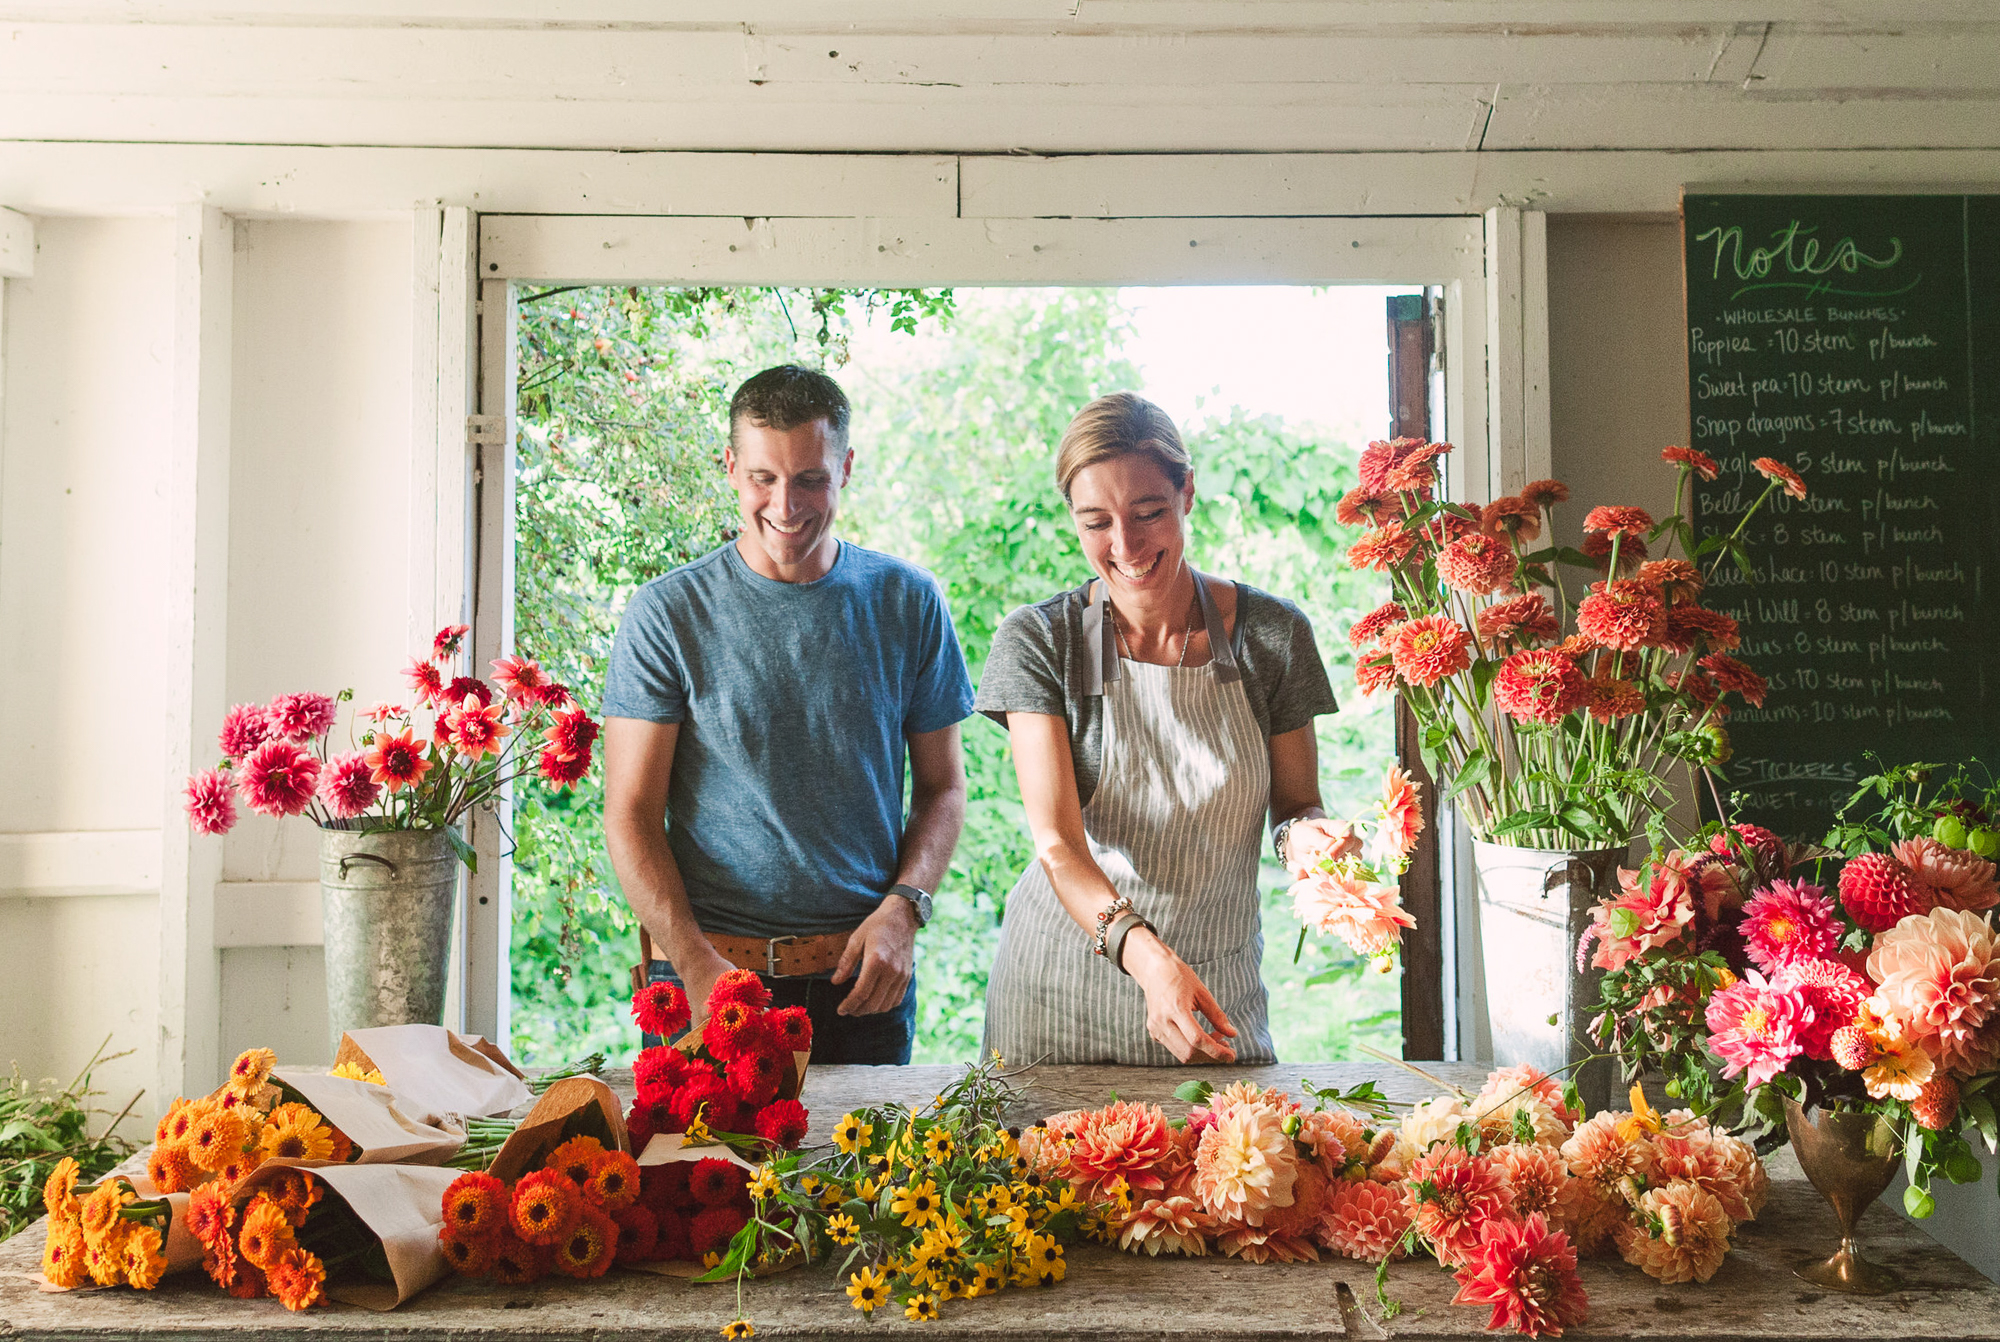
(1857, 340)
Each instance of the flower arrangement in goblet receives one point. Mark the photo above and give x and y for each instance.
(1549, 740)
(278, 759)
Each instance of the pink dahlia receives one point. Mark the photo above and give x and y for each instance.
(398, 761)
(210, 806)
(1520, 620)
(1733, 677)
(279, 778)
(1120, 1141)
(1374, 624)
(1314, 845)
(1381, 549)
(301, 717)
(1754, 1027)
(518, 677)
(1527, 1272)
(1457, 1195)
(1366, 1220)
(463, 688)
(1167, 1225)
(1429, 649)
(1335, 1136)
(1503, 1082)
(476, 729)
(1832, 993)
(244, 728)
(1680, 1234)
(1479, 564)
(347, 786)
(1940, 973)
(1767, 850)
(1245, 1165)
(447, 641)
(1607, 698)
(1653, 908)
(426, 681)
(1374, 673)
(1878, 891)
(1539, 685)
(1787, 921)
(1624, 614)
(382, 711)
(1688, 625)
(1368, 916)
(1960, 879)
(1260, 1244)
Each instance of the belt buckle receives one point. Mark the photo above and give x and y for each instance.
(771, 954)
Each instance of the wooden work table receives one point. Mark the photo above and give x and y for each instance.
(1108, 1295)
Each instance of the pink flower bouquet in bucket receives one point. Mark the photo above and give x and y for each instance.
(280, 759)
(1555, 714)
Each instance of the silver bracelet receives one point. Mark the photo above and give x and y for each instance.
(1105, 917)
(1278, 838)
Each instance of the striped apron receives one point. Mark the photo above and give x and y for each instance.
(1177, 825)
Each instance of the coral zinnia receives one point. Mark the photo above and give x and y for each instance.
(1381, 549)
(1402, 813)
(1479, 564)
(244, 728)
(614, 1180)
(1754, 1028)
(1787, 921)
(1520, 619)
(1539, 685)
(661, 1009)
(1245, 1164)
(1687, 625)
(1958, 878)
(1941, 974)
(279, 779)
(1379, 458)
(300, 717)
(347, 787)
(1683, 578)
(1545, 493)
(1358, 505)
(1733, 677)
(1624, 614)
(1376, 623)
(1527, 1272)
(1692, 1234)
(1607, 698)
(1700, 463)
(397, 762)
(1878, 892)
(1458, 1194)
(1772, 469)
(1427, 650)
(1511, 516)
(1374, 672)
(1618, 520)
(1120, 1141)
(210, 806)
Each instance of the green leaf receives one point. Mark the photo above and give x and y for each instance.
(1963, 1167)
(1470, 774)
(462, 848)
(1193, 1092)
(1918, 1203)
(1979, 1108)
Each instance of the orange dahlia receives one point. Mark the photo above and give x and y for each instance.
(1120, 1141)
(1457, 1194)
(1427, 650)
(1960, 879)
(1245, 1164)
(1535, 1177)
(1940, 974)
(1527, 1272)
(1366, 1220)
(1680, 1234)
(1167, 1225)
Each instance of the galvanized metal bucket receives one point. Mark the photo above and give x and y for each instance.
(387, 901)
(1534, 904)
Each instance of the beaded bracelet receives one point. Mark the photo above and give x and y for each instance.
(1122, 904)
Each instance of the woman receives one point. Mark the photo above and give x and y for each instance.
(1157, 715)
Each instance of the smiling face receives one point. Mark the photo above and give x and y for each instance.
(1133, 525)
(787, 484)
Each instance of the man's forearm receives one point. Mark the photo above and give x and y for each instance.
(936, 819)
(652, 883)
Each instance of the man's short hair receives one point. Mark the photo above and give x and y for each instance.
(788, 396)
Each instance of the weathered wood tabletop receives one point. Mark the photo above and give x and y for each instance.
(1107, 1295)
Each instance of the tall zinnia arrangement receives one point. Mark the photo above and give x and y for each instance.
(1555, 713)
(420, 767)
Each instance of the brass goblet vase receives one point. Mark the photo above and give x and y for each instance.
(1850, 1158)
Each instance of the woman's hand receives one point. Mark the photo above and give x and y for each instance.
(1174, 993)
(1308, 842)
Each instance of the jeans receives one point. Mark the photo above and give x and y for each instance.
(880, 1040)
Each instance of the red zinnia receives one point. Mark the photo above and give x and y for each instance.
(734, 1027)
(714, 1183)
(638, 1233)
(1381, 549)
(754, 1076)
(1700, 463)
(397, 761)
(587, 1250)
(301, 717)
(210, 807)
(1619, 520)
(698, 1095)
(1478, 563)
(791, 1028)
(739, 985)
(783, 1123)
(1687, 625)
(1428, 650)
(279, 779)
(1733, 677)
(1623, 614)
(1376, 623)
(475, 729)
(711, 1231)
(1519, 619)
(347, 787)
(425, 680)
(1540, 685)
(661, 1009)
(1772, 469)
(660, 1068)
(1527, 1272)
(244, 728)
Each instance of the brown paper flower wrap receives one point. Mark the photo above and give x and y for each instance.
(434, 1070)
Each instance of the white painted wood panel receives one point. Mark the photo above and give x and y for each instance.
(1632, 116)
(275, 997)
(939, 252)
(104, 862)
(267, 913)
(17, 245)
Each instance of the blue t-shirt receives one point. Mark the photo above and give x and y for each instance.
(785, 810)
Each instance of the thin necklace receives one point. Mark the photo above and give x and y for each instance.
(1187, 635)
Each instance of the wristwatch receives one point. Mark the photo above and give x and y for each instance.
(921, 899)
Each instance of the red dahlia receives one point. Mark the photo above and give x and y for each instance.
(279, 778)
(1878, 891)
(562, 771)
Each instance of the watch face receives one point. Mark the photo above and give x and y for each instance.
(923, 910)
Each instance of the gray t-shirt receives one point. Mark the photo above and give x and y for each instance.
(785, 809)
(1039, 657)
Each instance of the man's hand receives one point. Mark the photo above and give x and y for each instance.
(699, 977)
(883, 950)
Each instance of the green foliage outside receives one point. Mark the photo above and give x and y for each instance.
(623, 414)
(42, 1123)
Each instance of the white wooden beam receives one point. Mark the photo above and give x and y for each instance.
(105, 862)
(17, 246)
(1517, 351)
(197, 505)
(951, 251)
(421, 622)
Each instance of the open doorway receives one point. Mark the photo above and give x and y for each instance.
(960, 396)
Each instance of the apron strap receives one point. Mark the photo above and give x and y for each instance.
(1101, 664)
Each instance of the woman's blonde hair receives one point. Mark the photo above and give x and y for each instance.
(1118, 425)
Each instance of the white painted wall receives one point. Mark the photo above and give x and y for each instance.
(83, 422)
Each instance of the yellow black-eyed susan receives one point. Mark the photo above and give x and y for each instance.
(921, 1309)
(867, 1289)
(738, 1329)
(850, 1134)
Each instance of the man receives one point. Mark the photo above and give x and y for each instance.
(758, 707)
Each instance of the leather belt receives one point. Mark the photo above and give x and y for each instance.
(779, 957)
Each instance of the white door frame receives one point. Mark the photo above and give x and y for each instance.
(1492, 268)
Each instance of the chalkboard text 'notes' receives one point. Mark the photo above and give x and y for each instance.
(1857, 340)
